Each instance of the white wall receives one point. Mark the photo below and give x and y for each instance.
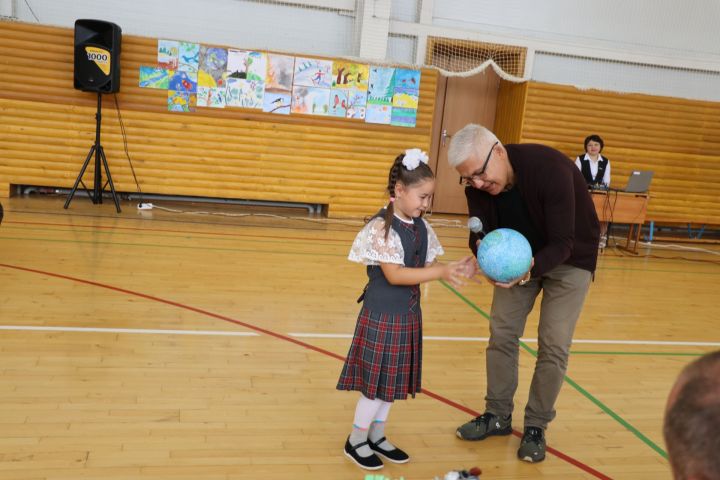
(654, 27)
(243, 24)
(663, 47)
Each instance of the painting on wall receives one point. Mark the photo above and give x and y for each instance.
(309, 100)
(247, 65)
(277, 102)
(155, 77)
(338, 102)
(205, 76)
(188, 57)
(278, 84)
(403, 117)
(244, 93)
(350, 75)
(381, 86)
(181, 101)
(357, 101)
(376, 113)
(407, 79)
(212, 70)
(407, 88)
(246, 78)
(183, 81)
(312, 72)
(213, 97)
(167, 54)
(279, 75)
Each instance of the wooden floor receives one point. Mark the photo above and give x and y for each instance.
(157, 345)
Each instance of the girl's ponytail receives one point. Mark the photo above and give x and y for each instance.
(392, 181)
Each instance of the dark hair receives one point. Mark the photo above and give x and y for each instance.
(398, 173)
(594, 138)
(692, 421)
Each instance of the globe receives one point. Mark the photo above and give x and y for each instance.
(504, 255)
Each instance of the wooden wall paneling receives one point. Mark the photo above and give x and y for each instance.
(510, 112)
(48, 128)
(678, 139)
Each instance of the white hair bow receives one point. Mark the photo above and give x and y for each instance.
(413, 157)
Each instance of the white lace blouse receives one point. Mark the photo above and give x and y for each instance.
(371, 248)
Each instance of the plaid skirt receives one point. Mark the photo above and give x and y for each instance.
(385, 357)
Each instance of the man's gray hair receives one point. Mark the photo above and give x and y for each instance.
(468, 141)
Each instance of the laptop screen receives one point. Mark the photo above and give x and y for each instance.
(639, 181)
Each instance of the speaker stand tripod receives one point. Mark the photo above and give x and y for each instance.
(97, 150)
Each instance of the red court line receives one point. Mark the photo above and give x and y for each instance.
(447, 401)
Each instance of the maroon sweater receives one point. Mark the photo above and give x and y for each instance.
(558, 203)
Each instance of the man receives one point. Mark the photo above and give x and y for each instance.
(539, 192)
(692, 420)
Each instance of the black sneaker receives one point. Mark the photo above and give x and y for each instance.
(532, 445)
(372, 462)
(395, 455)
(484, 426)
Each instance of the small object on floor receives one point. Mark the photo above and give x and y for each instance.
(471, 474)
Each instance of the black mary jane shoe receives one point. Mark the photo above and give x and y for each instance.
(372, 462)
(395, 455)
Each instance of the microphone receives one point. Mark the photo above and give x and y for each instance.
(475, 225)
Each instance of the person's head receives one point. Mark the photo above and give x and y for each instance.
(411, 184)
(692, 420)
(594, 144)
(480, 159)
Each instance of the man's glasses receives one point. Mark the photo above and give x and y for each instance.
(468, 181)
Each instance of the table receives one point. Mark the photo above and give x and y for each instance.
(620, 207)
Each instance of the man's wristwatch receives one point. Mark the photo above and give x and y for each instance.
(525, 279)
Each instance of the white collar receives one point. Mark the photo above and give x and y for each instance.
(402, 219)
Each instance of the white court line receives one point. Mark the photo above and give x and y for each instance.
(527, 340)
(334, 335)
(131, 330)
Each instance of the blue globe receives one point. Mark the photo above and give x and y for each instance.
(504, 255)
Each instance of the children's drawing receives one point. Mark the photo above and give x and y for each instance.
(313, 101)
(153, 77)
(167, 55)
(311, 72)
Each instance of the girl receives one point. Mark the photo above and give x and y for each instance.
(384, 362)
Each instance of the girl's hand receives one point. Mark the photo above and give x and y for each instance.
(455, 273)
(471, 266)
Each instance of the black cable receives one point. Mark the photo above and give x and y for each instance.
(127, 153)
(31, 11)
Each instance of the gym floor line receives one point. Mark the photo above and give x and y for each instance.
(566, 458)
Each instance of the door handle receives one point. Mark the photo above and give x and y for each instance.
(444, 137)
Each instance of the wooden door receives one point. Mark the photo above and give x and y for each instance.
(459, 101)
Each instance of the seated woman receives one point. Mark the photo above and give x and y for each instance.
(596, 170)
(594, 167)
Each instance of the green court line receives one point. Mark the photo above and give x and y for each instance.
(574, 384)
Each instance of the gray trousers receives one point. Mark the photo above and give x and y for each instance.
(564, 289)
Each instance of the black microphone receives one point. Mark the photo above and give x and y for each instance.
(475, 225)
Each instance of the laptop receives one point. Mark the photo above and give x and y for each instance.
(639, 181)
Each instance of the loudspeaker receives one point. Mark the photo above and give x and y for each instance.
(97, 56)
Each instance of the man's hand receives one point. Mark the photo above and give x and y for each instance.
(524, 278)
